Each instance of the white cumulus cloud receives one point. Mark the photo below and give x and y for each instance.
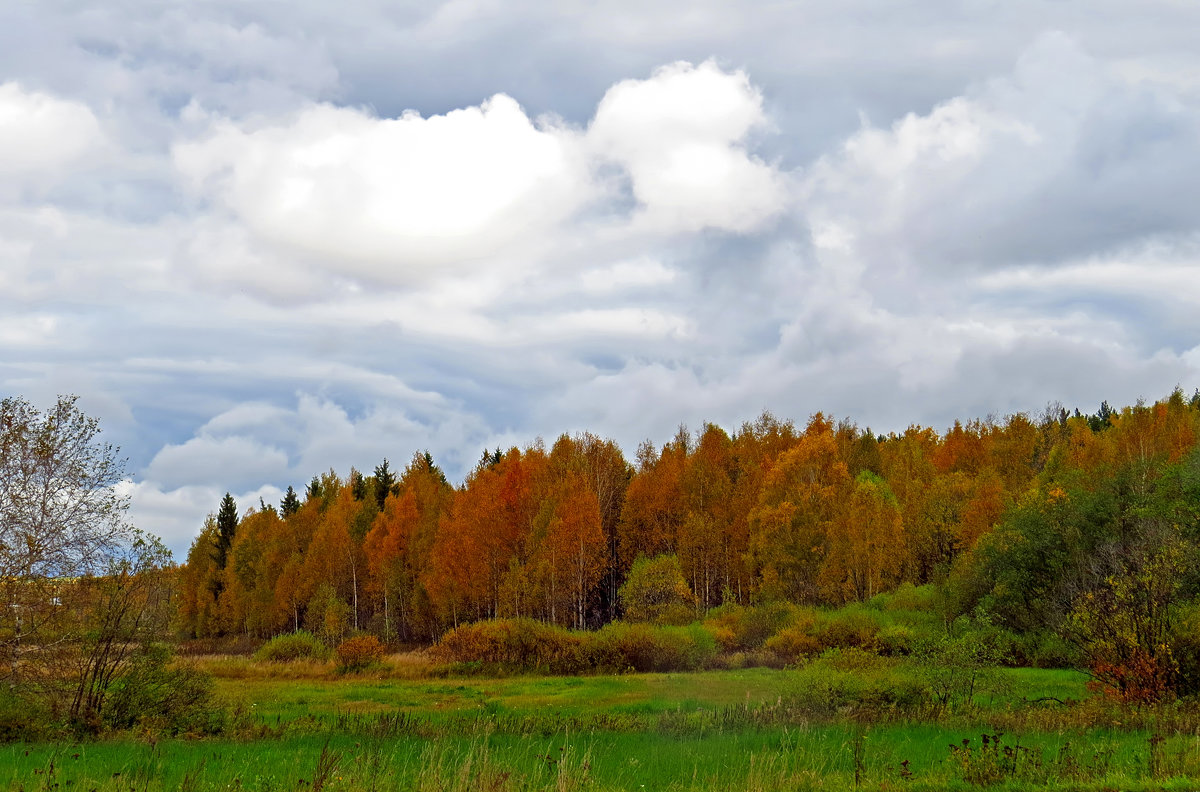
(409, 200)
(41, 133)
(401, 195)
(681, 136)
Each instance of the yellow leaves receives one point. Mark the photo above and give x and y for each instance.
(1057, 495)
(866, 543)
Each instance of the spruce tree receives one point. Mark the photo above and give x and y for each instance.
(227, 523)
(290, 503)
(385, 480)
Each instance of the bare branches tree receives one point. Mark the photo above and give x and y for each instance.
(125, 610)
(62, 518)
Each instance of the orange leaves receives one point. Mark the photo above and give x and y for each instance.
(391, 536)
(333, 553)
(965, 449)
(654, 508)
(799, 500)
(484, 532)
(710, 540)
(571, 556)
(1140, 679)
(1165, 430)
(983, 510)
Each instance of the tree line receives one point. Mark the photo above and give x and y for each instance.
(1022, 516)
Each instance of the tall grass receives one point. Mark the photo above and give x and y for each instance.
(405, 665)
(830, 757)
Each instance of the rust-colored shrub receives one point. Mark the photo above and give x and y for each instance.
(1141, 679)
(357, 653)
(513, 643)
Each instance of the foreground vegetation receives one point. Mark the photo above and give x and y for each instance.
(934, 711)
(833, 723)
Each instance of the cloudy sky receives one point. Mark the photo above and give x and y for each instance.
(263, 239)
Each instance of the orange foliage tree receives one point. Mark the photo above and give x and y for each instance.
(653, 511)
(705, 535)
(570, 555)
(800, 498)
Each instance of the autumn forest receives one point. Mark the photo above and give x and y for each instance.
(1021, 519)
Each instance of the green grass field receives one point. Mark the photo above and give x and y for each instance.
(819, 756)
(712, 731)
(282, 700)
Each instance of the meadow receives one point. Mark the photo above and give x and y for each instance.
(827, 724)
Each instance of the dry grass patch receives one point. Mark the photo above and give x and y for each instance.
(400, 665)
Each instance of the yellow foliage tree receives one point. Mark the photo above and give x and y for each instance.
(866, 544)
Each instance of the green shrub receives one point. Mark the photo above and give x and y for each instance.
(854, 660)
(812, 632)
(854, 679)
(22, 718)
(150, 694)
(896, 639)
(655, 591)
(958, 667)
(851, 626)
(740, 628)
(300, 645)
(622, 646)
(1048, 649)
(907, 597)
(792, 644)
(359, 652)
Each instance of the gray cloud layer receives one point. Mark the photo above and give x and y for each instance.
(263, 243)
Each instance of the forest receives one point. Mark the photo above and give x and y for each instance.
(1072, 531)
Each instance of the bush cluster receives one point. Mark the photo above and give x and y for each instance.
(739, 628)
(813, 632)
(643, 647)
(522, 644)
(359, 652)
(733, 636)
(842, 680)
(907, 597)
(528, 645)
(300, 645)
(773, 634)
(655, 591)
(151, 693)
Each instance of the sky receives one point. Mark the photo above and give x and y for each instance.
(261, 240)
